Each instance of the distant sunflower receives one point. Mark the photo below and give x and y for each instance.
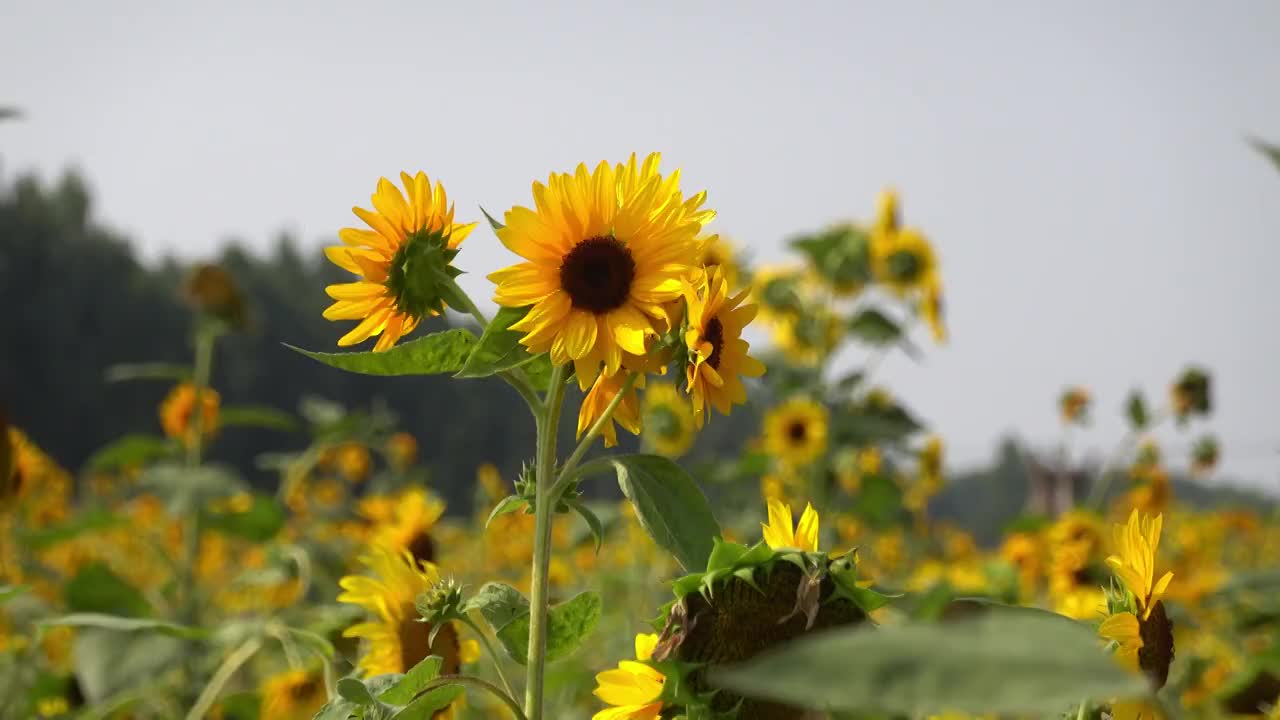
(931, 310)
(1073, 405)
(413, 516)
(717, 353)
(669, 420)
(634, 689)
(717, 252)
(806, 339)
(293, 695)
(402, 450)
(603, 391)
(779, 534)
(354, 461)
(402, 262)
(395, 639)
(902, 258)
(796, 431)
(177, 413)
(605, 250)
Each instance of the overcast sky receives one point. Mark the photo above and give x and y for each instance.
(1081, 168)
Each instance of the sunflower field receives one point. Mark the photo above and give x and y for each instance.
(807, 573)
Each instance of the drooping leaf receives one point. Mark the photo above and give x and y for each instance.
(259, 523)
(499, 603)
(186, 488)
(670, 507)
(109, 661)
(1029, 662)
(127, 624)
(434, 354)
(1268, 149)
(257, 416)
(148, 371)
(412, 682)
(1136, 410)
(499, 347)
(132, 450)
(96, 589)
(568, 624)
(874, 327)
(592, 520)
(429, 703)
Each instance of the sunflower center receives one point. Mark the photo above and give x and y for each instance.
(304, 689)
(664, 423)
(797, 431)
(420, 272)
(598, 273)
(1156, 653)
(904, 265)
(714, 334)
(421, 547)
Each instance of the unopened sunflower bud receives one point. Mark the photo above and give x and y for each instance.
(211, 289)
(441, 602)
(1191, 394)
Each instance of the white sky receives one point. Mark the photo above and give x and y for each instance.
(1081, 167)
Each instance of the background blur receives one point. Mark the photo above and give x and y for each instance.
(1083, 171)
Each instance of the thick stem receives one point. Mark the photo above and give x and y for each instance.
(548, 426)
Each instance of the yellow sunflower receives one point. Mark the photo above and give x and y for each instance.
(634, 689)
(293, 695)
(178, 409)
(1141, 630)
(669, 419)
(354, 461)
(901, 258)
(402, 450)
(603, 391)
(717, 353)
(717, 252)
(796, 431)
(395, 639)
(1073, 405)
(409, 526)
(605, 250)
(403, 261)
(779, 533)
(1136, 542)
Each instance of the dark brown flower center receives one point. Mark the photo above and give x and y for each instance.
(797, 431)
(306, 688)
(422, 548)
(597, 273)
(714, 334)
(416, 645)
(1156, 654)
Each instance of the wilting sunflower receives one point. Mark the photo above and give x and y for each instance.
(779, 533)
(634, 689)
(669, 419)
(178, 410)
(605, 250)
(412, 518)
(293, 695)
(717, 353)
(403, 261)
(627, 414)
(396, 640)
(796, 431)
(1138, 624)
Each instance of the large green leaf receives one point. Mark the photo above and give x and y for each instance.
(257, 416)
(670, 507)
(442, 352)
(259, 523)
(499, 347)
(96, 589)
(86, 522)
(108, 661)
(428, 704)
(133, 450)
(1024, 662)
(874, 327)
(127, 624)
(499, 603)
(412, 682)
(185, 488)
(568, 624)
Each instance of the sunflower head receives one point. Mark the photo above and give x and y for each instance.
(1073, 405)
(796, 431)
(402, 450)
(903, 260)
(668, 419)
(353, 461)
(177, 412)
(404, 262)
(634, 689)
(717, 358)
(779, 533)
(1142, 643)
(293, 695)
(605, 251)
(716, 251)
(211, 289)
(408, 528)
(1191, 394)
(1136, 544)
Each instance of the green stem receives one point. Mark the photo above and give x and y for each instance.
(548, 426)
(493, 654)
(592, 433)
(1098, 493)
(475, 682)
(516, 378)
(220, 678)
(206, 335)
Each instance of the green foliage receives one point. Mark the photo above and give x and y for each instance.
(840, 254)
(127, 624)
(1025, 662)
(108, 661)
(1135, 409)
(499, 603)
(499, 347)
(259, 523)
(133, 450)
(96, 589)
(874, 327)
(85, 522)
(183, 488)
(670, 507)
(568, 625)
(434, 354)
(1271, 151)
(257, 416)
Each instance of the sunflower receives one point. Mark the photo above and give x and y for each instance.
(395, 639)
(778, 532)
(603, 391)
(717, 252)
(634, 689)
(354, 461)
(403, 261)
(796, 431)
(901, 258)
(402, 450)
(178, 408)
(1138, 623)
(669, 418)
(1073, 405)
(931, 309)
(409, 526)
(605, 250)
(716, 351)
(293, 695)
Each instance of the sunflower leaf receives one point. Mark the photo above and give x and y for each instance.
(568, 625)
(134, 449)
(434, 354)
(1018, 663)
(492, 223)
(874, 327)
(257, 416)
(499, 603)
(353, 690)
(499, 347)
(259, 523)
(126, 624)
(592, 520)
(670, 507)
(428, 704)
(412, 683)
(1271, 151)
(96, 589)
(509, 504)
